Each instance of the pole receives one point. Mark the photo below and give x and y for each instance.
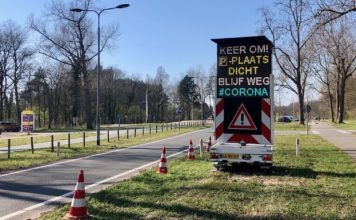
(98, 88)
(52, 144)
(58, 147)
(68, 140)
(8, 148)
(83, 139)
(32, 148)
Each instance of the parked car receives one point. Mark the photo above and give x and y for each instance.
(286, 118)
(9, 126)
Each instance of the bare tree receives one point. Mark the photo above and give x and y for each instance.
(187, 92)
(206, 83)
(14, 62)
(111, 94)
(172, 93)
(4, 68)
(68, 37)
(20, 56)
(323, 73)
(56, 78)
(157, 99)
(210, 87)
(338, 42)
(290, 33)
(199, 77)
(330, 10)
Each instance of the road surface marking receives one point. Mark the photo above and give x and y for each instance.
(64, 196)
(108, 152)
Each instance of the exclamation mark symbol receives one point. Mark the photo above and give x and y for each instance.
(242, 118)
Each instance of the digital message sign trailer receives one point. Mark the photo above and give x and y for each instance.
(244, 101)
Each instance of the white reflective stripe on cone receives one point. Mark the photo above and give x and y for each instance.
(78, 203)
(80, 186)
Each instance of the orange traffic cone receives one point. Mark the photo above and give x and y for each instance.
(191, 155)
(78, 209)
(162, 166)
(207, 149)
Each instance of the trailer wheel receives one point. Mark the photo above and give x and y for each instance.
(219, 166)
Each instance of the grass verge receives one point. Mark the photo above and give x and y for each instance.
(293, 126)
(39, 138)
(347, 125)
(319, 184)
(25, 159)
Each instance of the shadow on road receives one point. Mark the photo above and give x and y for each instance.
(16, 191)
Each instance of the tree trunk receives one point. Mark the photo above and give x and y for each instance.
(75, 90)
(18, 108)
(39, 107)
(331, 104)
(8, 105)
(2, 95)
(301, 106)
(338, 96)
(341, 107)
(56, 101)
(87, 102)
(50, 111)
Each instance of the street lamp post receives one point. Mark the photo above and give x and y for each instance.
(98, 13)
(202, 96)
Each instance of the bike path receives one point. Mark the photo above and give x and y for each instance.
(342, 139)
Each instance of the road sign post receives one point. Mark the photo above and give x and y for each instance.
(27, 121)
(307, 110)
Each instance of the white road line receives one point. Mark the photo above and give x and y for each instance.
(87, 188)
(108, 152)
(92, 185)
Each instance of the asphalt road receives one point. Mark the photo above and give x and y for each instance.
(27, 193)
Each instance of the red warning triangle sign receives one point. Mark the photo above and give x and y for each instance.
(242, 120)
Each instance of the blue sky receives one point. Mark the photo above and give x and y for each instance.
(174, 34)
